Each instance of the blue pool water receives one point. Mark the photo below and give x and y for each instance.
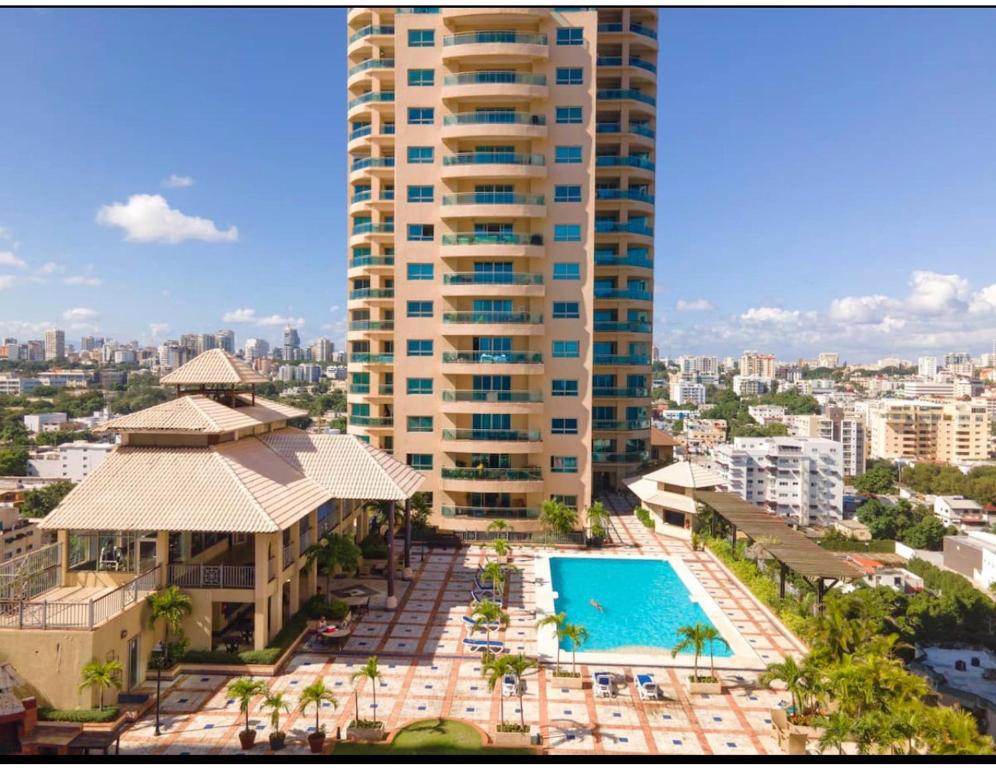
(644, 602)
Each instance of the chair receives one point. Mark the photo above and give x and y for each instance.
(480, 646)
(510, 685)
(647, 687)
(493, 626)
(601, 683)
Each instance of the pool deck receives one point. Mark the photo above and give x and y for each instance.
(428, 673)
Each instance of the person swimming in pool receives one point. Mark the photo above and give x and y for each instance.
(596, 605)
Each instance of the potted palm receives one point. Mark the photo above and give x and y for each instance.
(317, 694)
(276, 702)
(695, 637)
(510, 734)
(171, 605)
(243, 691)
(576, 635)
(360, 728)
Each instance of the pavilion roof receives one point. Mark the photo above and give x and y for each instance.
(203, 415)
(214, 367)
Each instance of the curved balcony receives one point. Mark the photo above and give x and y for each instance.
(632, 425)
(372, 326)
(371, 358)
(631, 195)
(612, 326)
(494, 125)
(484, 14)
(369, 64)
(622, 228)
(360, 265)
(365, 102)
(625, 94)
(495, 86)
(644, 64)
(363, 163)
(372, 34)
(635, 129)
(621, 360)
(372, 422)
(499, 204)
(624, 161)
(494, 435)
(644, 31)
(492, 278)
(494, 165)
(517, 480)
(608, 457)
(371, 293)
(370, 228)
(504, 244)
(493, 358)
(630, 294)
(512, 401)
(615, 393)
(494, 45)
(507, 513)
(512, 323)
(615, 260)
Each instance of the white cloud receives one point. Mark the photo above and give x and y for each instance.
(294, 322)
(83, 280)
(51, 268)
(6, 281)
(158, 329)
(80, 314)
(861, 309)
(694, 305)
(773, 316)
(932, 293)
(5, 233)
(11, 259)
(243, 315)
(177, 182)
(149, 219)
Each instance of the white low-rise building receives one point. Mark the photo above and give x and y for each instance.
(688, 392)
(973, 556)
(44, 422)
(69, 461)
(958, 511)
(764, 414)
(748, 386)
(800, 479)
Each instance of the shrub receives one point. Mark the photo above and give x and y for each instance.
(643, 515)
(105, 715)
(317, 606)
(269, 655)
(512, 728)
(374, 547)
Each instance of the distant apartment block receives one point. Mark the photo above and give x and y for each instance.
(926, 367)
(687, 392)
(952, 432)
(69, 461)
(756, 364)
(764, 414)
(55, 344)
(751, 385)
(827, 360)
(800, 479)
(44, 422)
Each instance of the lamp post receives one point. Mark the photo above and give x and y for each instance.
(159, 652)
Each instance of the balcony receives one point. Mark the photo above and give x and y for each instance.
(372, 293)
(624, 161)
(370, 31)
(359, 133)
(649, 66)
(381, 422)
(499, 318)
(623, 228)
(491, 78)
(496, 435)
(622, 360)
(627, 94)
(491, 396)
(608, 259)
(475, 125)
(373, 97)
(495, 45)
(635, 195)
(212, 576)
(369, 228)
(369, 358)
(631, 425)
(481, 86)
(495, 358)
(492, 473)
(632, 457)
(371, 261)
(621, 326)
(371, 64)
(630, 294)
(509, 513)
(492, 278)
(504, 204)
(500, 238)
(620, 392)
(637, 28)
(493, 165)
(372, 162)
(371, 325)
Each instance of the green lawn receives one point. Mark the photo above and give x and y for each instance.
(429, 737)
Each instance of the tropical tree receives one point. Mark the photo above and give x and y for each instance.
(372, 673)
(500, 546)
(315, 695)
(837, 729)
(243, 690)
(494, 573)
(712, 637)
(333, 550)
(420, 511)
(577, 635)
(795, 678)
(101, 675)
(694, 637)
(557, 621)
(597, 517)
(495, 670)
(520, 664)
(171, 605)
(499, 525)
(557, 517)
(276, 702)
(486, 614)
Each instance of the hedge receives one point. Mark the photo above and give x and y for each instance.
(105, 715)
(268, 655)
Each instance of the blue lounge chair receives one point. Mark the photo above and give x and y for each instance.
(494, 626)
(480, 646)
(647, 687)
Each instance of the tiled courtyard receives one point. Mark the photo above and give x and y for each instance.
(428, 673)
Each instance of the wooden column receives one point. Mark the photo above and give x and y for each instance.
(408, 539)
(392, 600)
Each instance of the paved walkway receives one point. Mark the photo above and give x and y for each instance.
(427, 673)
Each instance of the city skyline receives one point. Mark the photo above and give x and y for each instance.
(136, 191)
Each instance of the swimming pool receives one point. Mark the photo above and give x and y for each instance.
(644, 603)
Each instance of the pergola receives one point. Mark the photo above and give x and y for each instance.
(793, 550)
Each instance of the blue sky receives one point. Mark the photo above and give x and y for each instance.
(825, 177)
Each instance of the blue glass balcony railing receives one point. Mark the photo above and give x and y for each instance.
(495, 238)
(607, 425)
(493, 198)
(491, 396)
(371, 30)
(372, 293)
(503, 318)
(371, 325)
(621, 326)
(626, 392)
(366, 98)
(495, 36)
(372, 162)
(499, 77)
(633, 294)
(492, 278)
(616, 94)
(370, 357)
(639, 29)
(622, 360)
(359, 133)
(498, 358)
(623, 227)
(493, 158)
(369, 228)
(504, 435)
(372, 64)
(492, 473)
(609, 457)
(371, 261)
(636, 61)
(624, 194)
(625, 161)
(494, 118)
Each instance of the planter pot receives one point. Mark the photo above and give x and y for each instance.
(513, 738)
(575, 683)
(354, 733)
(316, 741)
(698, 687)
(277, 740)
(247, 739)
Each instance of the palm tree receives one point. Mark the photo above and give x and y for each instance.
(712, 636)
(371, 673)
(488, 613)
(498, 525)
(693, 637)
(276, 702)
(333, 550)
(557, 517)
(494, 573)
(495, 670)
(519, 664)
(170, 605)
(243, 690)
(101, 675)
(317, 694)
(836, 732)
(500, 546)
(794, 677)
(596, 519)
(577, 634)
(557, 621)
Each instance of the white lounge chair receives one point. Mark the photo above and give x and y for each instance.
(601, 683)
(510, 685)
(647, 687)
(482, 596)
(480, 646)
(493, 626)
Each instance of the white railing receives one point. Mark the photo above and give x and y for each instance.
(21, 578)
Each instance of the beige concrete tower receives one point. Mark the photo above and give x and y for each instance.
(501, 183)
